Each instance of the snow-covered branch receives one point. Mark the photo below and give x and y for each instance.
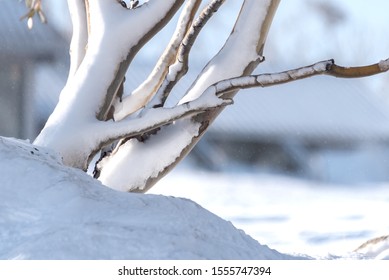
(327, 67)
(79, 40)
(172, 65)
(180, 67)
(242, 51)
(153, 15)
(153, 118)
(142, 95)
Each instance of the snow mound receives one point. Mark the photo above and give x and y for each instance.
(49, 211)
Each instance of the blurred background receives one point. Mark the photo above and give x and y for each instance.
(301, 167)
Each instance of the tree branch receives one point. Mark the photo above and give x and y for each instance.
(180, 67)
(327, 67)
(154, 118)
(141, 95)
(78, 44)
(243, 48)
(140, 14)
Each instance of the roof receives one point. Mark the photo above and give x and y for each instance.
(16, 39)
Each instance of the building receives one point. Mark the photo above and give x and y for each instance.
(23, 55)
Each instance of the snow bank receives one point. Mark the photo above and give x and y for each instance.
(49, 211)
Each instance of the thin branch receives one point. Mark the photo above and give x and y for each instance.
(141, 95)
(327, 67)
(178, 49)
(154, 118)
(180, 67)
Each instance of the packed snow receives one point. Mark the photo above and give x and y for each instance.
(49, 211)
(290, 214)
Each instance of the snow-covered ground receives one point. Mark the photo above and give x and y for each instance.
(290, 215)
(49, 211)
